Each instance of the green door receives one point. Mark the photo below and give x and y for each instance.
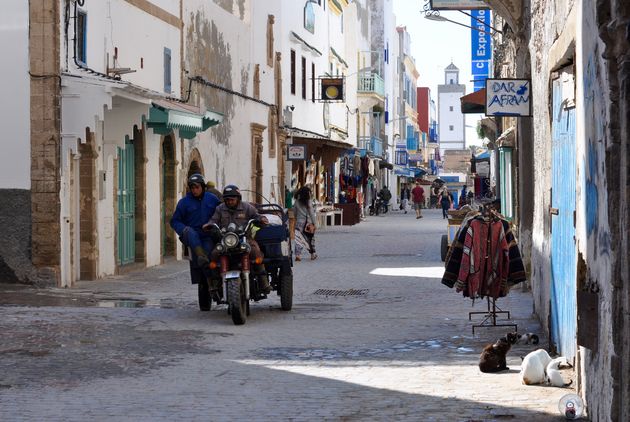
(126, 204)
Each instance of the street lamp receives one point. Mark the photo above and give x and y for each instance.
(440, 18)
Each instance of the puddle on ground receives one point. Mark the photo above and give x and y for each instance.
(20, 295)
(297, 353)
(120, 303)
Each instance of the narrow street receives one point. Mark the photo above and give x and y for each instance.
(387, 342)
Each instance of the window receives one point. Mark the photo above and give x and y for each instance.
(293, 72)
(309, 17)
(451, 82)
(450, 108)
(451, 128)
(81, 37)
(167, 70)
(303, 78)
(313, 82)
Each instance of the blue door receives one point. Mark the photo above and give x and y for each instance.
(563, 252)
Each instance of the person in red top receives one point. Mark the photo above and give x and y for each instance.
(417, 195)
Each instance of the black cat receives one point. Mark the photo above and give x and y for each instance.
(492, 359)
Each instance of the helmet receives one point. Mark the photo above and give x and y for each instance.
(196, 178)
(231, 191)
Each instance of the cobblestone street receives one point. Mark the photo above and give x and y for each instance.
(399, 348)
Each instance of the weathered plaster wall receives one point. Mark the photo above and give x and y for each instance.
(219, 47)
(592, 230)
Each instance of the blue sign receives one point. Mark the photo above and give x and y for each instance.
(481, 47)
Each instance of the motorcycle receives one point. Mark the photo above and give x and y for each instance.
(379, 206)
(237, 284)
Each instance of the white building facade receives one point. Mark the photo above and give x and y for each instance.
(451, 122)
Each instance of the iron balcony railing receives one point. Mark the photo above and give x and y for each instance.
(372, 145)
(371, 83)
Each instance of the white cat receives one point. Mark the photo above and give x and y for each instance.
(533, 367)
(554, 376)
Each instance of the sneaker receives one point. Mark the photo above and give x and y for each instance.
(313, 256)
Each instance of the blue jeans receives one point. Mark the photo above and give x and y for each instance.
(193, 239)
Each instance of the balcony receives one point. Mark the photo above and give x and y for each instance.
(372, 145)
(371, 83)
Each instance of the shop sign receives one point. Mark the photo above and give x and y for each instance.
(508, 97)
(458, 4)
(481, 47)
(296, 152)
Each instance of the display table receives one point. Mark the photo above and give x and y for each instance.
(327, 218)
(351, 213)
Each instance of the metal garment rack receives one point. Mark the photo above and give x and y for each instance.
(490, 316)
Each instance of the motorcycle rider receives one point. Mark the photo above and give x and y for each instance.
(385, 195)
(235, 210)
(191, 212)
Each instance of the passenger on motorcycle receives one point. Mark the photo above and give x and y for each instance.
(234, 210)
(192, 211)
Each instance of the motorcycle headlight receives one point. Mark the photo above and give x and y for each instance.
(230, 240)
(220, 248)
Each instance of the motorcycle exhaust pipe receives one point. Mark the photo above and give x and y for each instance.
(246, 281)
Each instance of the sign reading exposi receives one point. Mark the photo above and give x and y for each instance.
(508, 97)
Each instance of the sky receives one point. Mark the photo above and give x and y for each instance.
(434, 45)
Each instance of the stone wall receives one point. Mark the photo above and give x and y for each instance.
(15, 242)
(44, 44)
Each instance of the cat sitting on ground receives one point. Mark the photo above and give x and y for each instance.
(554, 376)
(534, 366)
(528, 338)
(492, 358)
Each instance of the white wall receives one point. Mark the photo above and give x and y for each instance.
(137, 35)
(153, 191)
(15, 159)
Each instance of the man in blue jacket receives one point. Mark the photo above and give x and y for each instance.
(192, 212)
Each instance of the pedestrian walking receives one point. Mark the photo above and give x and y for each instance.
(417, 195)
(446, 201)
(405, 196)
(305, 224)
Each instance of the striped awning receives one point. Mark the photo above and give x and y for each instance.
(165, 116)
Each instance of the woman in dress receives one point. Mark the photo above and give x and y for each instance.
(305, 224)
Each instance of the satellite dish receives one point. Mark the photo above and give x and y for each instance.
(571, 406)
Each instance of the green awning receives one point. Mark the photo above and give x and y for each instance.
(165, 116)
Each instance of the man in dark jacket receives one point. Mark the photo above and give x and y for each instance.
(234, 210)
(386, 195)
(192, 211)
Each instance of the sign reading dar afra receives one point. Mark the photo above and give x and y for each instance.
(508, 97)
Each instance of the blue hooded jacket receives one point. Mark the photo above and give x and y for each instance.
(193, 212)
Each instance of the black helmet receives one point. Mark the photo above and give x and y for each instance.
(231, 191)
(196, 178)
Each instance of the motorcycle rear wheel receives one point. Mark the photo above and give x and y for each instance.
(238, 302)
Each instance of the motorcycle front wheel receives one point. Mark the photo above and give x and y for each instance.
(237, 301)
